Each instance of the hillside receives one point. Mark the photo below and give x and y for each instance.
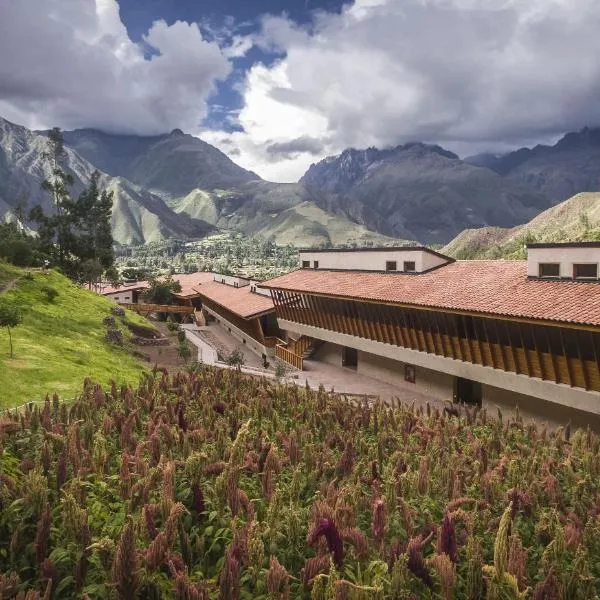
(419, 192)
(59, 343)
(572, 220)
(138, 215)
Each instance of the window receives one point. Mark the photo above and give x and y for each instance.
(409, 265)
(316, 264)
(585, 271)
(235, 284)
(391, 265)
(306, 264)
(549, 270)
(410, 373)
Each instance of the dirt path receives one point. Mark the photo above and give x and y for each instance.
(10, 285)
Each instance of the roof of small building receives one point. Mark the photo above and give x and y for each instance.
(240, 301)
(190, 281)
(126, 287)
(492, 287)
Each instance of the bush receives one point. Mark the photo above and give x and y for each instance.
(172, 326)
(50, 293)
(184, 351)
(280, 371)
(181, 336)
(235, 359)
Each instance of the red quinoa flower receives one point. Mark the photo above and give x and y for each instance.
(335, 545)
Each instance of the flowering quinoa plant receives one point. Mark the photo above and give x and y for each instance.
(209, 485)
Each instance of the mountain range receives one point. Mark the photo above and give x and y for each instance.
(575, 219)
(178, 186)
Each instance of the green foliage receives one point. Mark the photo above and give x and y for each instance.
(10, 316)
(50, 292)
(77, 237)
(16, 246)
(59, 343)
(235, 359)
(210, 484)
(184, 351)
(160, 291)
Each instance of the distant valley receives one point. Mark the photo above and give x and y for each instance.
(176, 186)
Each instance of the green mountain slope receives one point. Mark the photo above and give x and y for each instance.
(576, 219)
(59, 343)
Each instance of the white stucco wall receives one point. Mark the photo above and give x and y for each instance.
(371, 260)
(126, 297)
(557, 393)
(257, 290)
(230, 280)
(433, 383)
(238, 334)
(565, 256)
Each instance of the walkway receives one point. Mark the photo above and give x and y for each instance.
(348, 381)
(213, 338)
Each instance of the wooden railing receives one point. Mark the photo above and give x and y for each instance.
(164, 308)
(289, 357)
(272, 341)
(301, 345)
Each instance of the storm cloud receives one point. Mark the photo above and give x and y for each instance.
(468, 74)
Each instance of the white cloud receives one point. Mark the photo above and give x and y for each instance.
(71, 63)
(464, 73)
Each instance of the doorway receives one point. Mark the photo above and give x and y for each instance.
(349, 358)
(467, 391)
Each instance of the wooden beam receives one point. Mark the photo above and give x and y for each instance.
(489, 343)
(586, 375)
(596, 353)
(552, 357)
(527, 357)
(538, 353)
(512, 349)
(502, 348)
(564, 349)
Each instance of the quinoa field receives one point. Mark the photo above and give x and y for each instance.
(212, 485)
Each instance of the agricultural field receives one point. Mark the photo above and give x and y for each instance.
(212, 485)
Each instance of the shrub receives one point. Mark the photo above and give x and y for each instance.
(184, 351)
(50, 293)
(280, 370)
(235, 359)
(181, 336)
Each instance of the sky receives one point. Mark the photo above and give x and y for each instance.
(280, 84)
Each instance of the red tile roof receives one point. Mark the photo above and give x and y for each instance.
(486, 286)
(190, 281)
(241, 301)
(109, 289)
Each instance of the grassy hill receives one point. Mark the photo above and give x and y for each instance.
(61, 342)
(576, 219)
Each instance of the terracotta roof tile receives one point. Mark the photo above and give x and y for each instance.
(487, 286)
(240, 301)
(190, 281)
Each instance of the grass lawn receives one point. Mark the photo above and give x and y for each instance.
(59, 343)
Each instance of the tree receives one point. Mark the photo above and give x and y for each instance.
(184, 351)
(78, 234)
(161, 290)
(10, 316)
